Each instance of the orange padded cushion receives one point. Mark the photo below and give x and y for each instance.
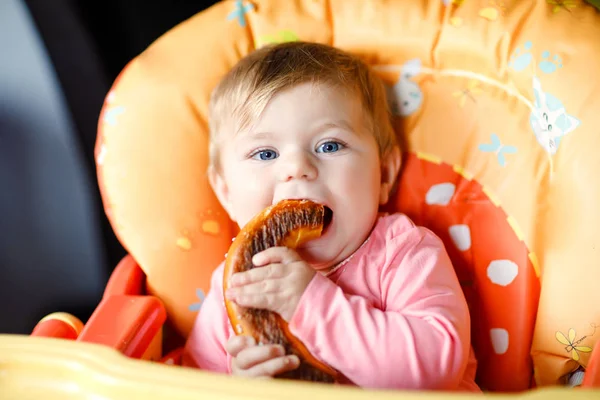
(497, 106)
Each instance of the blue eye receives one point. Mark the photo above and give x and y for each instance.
(329, 147)
(265, 155)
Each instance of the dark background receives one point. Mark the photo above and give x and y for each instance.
(89, 43)
(84, 44)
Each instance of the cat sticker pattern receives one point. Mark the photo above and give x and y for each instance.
(549, 119)
(406, 96)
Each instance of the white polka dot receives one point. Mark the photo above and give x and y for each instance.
(499, 339)
(502, 272)
(101, 155)
(440, 194)
(461, 236)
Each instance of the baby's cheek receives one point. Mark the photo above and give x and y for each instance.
(367, 175)
(358, 186)
(249, 199)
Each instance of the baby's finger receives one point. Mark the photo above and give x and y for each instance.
(259, 288)
(264, 301)
(271, 271)
(255, 355)
(280, 254)
(238, 343)
(273, 367)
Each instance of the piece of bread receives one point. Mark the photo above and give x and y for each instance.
(288, 223)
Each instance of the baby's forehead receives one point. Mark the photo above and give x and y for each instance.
(312, 106)
(343, 129)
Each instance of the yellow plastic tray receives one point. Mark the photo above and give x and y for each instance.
(52, 369)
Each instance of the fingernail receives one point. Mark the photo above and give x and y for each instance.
(280, 350)
(256, 259)
(294, 360)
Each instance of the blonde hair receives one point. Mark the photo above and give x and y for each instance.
(244, 92)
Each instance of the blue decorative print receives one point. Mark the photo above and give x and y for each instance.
(196, 306)
(549, 64)
(240, 12)
(521, 57)
(112, 114)
(498, 148)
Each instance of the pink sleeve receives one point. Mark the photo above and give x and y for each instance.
(205, 347)
(419, 339)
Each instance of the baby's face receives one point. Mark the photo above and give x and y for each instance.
(311, 142)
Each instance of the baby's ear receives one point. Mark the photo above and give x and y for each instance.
(390, 165)
(220, 188)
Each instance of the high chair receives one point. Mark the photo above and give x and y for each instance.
(494, 104)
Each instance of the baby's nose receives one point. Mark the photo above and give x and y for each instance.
(298, 166)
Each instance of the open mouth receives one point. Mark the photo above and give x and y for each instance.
(327, 218)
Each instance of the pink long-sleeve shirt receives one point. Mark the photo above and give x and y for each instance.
(393, 315)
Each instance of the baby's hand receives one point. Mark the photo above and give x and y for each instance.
(251, 360)
(277, 286)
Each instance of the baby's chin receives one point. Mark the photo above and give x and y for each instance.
(322, 257)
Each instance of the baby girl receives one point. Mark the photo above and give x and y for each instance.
(376, 297)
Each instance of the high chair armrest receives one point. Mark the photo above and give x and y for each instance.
(592, 372)
(127, 323)
(58, 325)
(126, 279)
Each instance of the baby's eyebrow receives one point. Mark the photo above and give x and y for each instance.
(335, 124)
(251, 135)
(359, 129)
(260, 134)
(340, 124)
